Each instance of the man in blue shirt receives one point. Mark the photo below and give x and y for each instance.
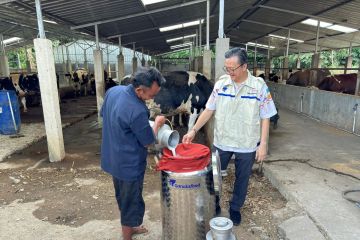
(125, 136)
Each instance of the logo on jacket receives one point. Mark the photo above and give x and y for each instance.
(252, 91)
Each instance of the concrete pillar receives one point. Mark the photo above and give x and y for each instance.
(68, 66)
(285, 70)
(315, 63)
(49, 99)
(27, 62)
(143, 62)
(86, 63)
(348, 63)
(28, 67)
(196, 64)
(99, 81)
(191, 62)
(18, 61)
(209, 127)
(142, 58)
(4, 65)
(134, 64)
(200, 63)
(65, 79)
(255, 67)
(31, 59)
(68, 61)
(298, 62)
(207, 64)
(64, 67)
(121, 67)
(222, 45)
(108, 65)
(357, 87)
(76, 61)
(267, 69)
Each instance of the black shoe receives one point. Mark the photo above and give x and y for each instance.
(235, 217)
(218, 210)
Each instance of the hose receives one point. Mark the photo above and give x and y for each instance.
(356, 201)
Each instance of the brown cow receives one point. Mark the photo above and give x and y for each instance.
(343, 83)
(302, 78)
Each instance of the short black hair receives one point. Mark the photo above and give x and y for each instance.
(238, 52)
(147, 76)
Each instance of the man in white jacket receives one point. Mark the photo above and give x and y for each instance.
(243, 106)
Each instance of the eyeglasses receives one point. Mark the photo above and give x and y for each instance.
(231, 70)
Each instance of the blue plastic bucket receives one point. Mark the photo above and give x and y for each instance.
(9, 113)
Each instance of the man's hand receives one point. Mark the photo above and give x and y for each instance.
(187, 139)
(160, 121)
(261, 153)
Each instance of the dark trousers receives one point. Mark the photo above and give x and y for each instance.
(243, 166)
(130, 201)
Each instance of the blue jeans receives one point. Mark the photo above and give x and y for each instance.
(243, 166)
(130, 201)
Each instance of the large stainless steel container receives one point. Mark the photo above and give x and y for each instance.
(188, 204)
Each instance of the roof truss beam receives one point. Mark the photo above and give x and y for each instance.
(138, 14)
(301, 31)
(309, 15)
(149, 29)
(316, 14)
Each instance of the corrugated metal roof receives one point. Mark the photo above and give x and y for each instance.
(283, 13)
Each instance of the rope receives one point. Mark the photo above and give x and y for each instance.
(171, 126)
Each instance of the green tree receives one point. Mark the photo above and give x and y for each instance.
(14, 56)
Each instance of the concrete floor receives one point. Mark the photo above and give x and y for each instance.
(32, 123)
(311, 164)
(74, 199)
(299, 137)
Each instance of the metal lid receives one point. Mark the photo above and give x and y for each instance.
(221, 224)
(216, 169)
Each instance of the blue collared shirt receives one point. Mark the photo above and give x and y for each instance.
(126, 133)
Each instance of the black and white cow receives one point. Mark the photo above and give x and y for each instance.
(7, 84)
(30, 84)
(183, 93)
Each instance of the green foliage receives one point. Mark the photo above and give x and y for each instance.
(180, 54)
(329, 59)
(13, 58)
(260, 59)
(185, 53)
